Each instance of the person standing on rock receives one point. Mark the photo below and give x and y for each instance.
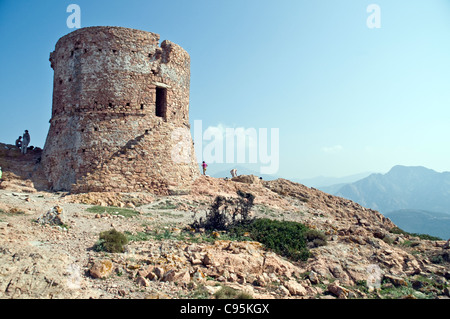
(25, 141)
(204, 165)
(1, 174)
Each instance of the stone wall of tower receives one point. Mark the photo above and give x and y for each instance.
(120, 113)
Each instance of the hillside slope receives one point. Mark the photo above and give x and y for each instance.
(164, 259)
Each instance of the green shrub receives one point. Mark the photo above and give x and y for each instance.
(388, 240)
(200, 292)
(399, 231)
(286, 238)
(315, 238)
(440, 258)
(426, 236)
(437, 259)
(283, 237)
(227, 213)
(111, 241)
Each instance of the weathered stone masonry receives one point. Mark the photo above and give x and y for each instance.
(117, 99)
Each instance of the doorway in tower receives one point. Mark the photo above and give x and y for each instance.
(161, 102)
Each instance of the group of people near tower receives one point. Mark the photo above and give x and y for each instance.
(23, 141)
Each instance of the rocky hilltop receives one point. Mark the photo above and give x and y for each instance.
(48, 244)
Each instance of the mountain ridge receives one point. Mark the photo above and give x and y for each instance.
(403, 187)
(408, 194)
(327, 181)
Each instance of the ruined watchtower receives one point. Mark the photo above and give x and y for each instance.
(120, 114)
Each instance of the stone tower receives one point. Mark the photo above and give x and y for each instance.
(120, 114)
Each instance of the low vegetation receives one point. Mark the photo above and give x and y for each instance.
(399, 231)
(111, 241)
(227, 213)
(230, 293)
(286, 238)
(440, 258)
(125, 212)
(165, 205)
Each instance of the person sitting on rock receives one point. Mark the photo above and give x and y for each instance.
(19, 142)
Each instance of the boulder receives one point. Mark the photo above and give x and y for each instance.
(446, 291)
(248, 179)
(142, 281)
(208, 261)
(159, 272)
(54, 216)
(446, 245)
(101, 269)
(313, 277)
(169, 275)
(182, 276)
(295, 288)
(338, 291)
(396, 281)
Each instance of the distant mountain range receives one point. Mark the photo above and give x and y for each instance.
(330, 182)
(415, 198)
(403, 187)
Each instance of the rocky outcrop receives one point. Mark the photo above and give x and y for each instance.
(54, 216)
(165, 259)
(101, 269)
(21, 172)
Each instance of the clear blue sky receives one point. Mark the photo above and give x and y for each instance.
(345, 98)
